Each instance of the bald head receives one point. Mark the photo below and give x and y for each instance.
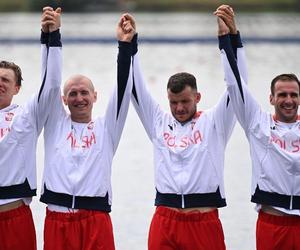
(78, 80)
(79, 96)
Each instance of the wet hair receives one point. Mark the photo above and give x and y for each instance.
(179, 81)
(284, 78)
(15, 68)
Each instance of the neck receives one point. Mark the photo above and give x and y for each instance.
(4, 105)
(81, 119)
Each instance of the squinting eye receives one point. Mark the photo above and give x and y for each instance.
(72, 94)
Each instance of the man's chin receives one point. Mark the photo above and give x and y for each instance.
(183, 119)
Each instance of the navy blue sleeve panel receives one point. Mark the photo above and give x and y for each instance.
(134, 51)
(236, 42)
(124, 60)
(44, 38)
(55, 39)
(225, 44)
(134, 92)
(134, 44)
(52, 39)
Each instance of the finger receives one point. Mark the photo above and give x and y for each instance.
(121, 21)
(128, 28)
(47, 17)
(48, 14)
(47, 8)
(58, 10)
(229, 11)
(128, 17)
(48, 22)
(222, 7)
(224, 15)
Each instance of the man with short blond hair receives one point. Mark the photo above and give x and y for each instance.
(19, 131)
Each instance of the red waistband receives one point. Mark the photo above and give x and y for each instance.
(73, 216)
(285, 220)
(190, 216)
(14, 212)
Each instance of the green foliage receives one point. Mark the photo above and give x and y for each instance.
(13, 5)
(153, 5)
(69, 5)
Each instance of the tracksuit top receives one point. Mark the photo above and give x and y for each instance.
(79, 166)
(19, 131)
(188, 157)
(274, 146)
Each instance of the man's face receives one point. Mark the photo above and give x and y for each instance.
(286, 100)
(183, 105)
(80, 96)
(8, 87)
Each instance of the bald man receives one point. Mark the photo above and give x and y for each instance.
(78, 156)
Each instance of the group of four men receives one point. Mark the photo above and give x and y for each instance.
(189, 148)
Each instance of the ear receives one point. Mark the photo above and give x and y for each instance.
(95, 96)
(17, 89)
(64, 99)
(198, 97)
(272, 99)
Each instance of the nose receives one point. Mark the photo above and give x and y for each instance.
(289, 99)
(179, 107)
(79, 97)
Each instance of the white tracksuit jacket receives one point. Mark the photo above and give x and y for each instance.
(274, 146)
(19, 131)
(79, 166)
(188, 158)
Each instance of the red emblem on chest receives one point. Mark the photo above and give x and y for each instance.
(9, 116)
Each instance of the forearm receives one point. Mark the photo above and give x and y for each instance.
(243, 103)
(239, 52)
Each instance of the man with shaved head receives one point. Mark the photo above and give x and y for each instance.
(79, 150)
(80, 106)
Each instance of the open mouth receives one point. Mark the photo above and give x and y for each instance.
(80, 106)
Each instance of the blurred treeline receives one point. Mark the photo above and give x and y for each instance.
(148, 5)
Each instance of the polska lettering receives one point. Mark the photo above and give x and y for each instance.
(85, 142)
(292, 146)
(183, 142)
(4, 132)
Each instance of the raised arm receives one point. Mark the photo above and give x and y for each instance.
(244, 105)
(146, 107)
(49, 93)
(227, 25)
(117, 109)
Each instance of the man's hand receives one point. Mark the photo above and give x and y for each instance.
(50, 19)
(226, 14)
(222, 27)
(126, 28)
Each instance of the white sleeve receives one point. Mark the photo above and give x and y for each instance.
(118, 105)
(239, 53)
(39, 107)
(244, 105)
(146, 107)
(224, 118)
(49, 103)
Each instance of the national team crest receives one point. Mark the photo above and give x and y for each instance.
(9, 116)
(90, 126)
